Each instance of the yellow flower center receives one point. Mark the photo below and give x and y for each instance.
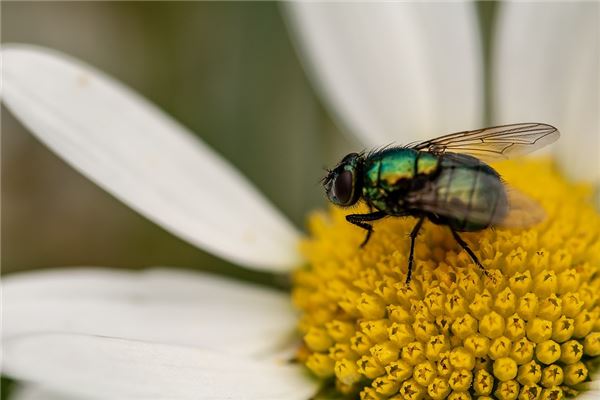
(526, 331)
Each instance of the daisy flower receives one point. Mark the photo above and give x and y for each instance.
(452, 333)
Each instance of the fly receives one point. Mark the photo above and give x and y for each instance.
(446, 180)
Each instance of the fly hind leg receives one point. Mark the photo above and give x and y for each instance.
(466, 247)
(411, 256)
(361, 221)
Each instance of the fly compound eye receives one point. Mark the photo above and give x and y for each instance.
(343, 184)
(342, 189)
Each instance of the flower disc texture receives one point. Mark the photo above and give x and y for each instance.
(527, 331)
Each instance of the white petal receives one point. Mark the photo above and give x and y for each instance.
(394, 71)
(165, 306)
(590, 390)
(140, 155)
(109, 368)
(589, 395)
(594, 383)
(31, 392)
(546, 70)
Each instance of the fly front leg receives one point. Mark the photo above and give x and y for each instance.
(466, 247)
(413, 236)
(360, 220)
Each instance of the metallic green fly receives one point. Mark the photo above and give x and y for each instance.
(446, 180)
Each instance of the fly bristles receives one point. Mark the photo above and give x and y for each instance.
(324, 180)
(327, 177)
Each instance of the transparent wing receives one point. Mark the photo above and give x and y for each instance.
(495, 143)
(521, 211)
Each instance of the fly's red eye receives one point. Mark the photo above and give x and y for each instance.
(342, 187)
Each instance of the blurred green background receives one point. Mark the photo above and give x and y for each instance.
(226, 70)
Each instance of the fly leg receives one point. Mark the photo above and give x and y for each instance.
(411, 256)
(466, 247)
(360, 220)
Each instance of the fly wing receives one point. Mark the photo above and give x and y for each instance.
(495, 143)
(517, 210)
(523, 211)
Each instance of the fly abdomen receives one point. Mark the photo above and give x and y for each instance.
(467, 195)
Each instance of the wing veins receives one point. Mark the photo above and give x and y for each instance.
(505, 140)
